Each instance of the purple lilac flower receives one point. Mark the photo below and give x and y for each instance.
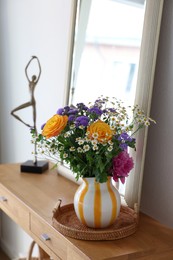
(124, 137)
(123, 146)
(67, 108)
(73, 111)
(112, 109)
(42, 126)
(100, 100)
(71, 118)
(60, 111)
(122, 165)
(63, 111)
(81, 120)
(95, 110)
(107, 110)
(82, 106)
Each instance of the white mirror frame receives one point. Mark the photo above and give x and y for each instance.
(147, 63)
(144, 88)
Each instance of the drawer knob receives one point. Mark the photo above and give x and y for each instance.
(45, 237)
(2, 198)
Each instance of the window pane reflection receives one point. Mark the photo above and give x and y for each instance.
(107, 60)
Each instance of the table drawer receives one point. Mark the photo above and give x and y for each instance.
(14, 208)
(49, 236)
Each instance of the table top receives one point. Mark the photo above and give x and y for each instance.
(40, 193)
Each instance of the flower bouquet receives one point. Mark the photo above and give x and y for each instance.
(93, 140)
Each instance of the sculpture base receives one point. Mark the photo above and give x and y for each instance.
(30, 166)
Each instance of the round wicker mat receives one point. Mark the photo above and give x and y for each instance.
(66, 222)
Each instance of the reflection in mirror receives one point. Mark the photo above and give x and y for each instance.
(116, 58)
(107, 49)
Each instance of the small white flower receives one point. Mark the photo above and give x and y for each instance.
(72, 149)
(80, 142)
(67, 134)
(94, 142)
(112, 127)
(81, 127)
(110, 148)
(147, 123)
(95, 147)
(86, 139)
(95, 135)
(87, 133)
(65, 155)
(72, 126)
(86, 148)
(110, 142)
(80, 150)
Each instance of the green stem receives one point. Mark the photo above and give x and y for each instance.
(140, 126)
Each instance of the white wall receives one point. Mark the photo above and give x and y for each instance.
(157, 193)
(29, 27)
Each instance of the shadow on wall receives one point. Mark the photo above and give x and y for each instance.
(158, 177)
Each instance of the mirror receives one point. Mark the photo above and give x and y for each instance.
(107, 46)
(139, 67)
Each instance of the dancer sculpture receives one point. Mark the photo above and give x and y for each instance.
(31, 166)
(32, 85)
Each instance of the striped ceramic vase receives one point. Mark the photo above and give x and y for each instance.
(97, 205)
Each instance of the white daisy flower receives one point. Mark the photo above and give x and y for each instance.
(95, 135)
(147, 123)
(110, 148)
(80, 142)
(65, 155)
(95, 147)
(72, 149)
(86, 148)
(94, 142)
(86, 139)
(113, 118)
(72, 126)
(80, 150)
(112, 127)
(67, 134)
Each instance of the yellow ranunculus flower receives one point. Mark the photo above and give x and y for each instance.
(54, 126)
(101, 130)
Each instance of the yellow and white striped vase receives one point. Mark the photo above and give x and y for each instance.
(97, 205)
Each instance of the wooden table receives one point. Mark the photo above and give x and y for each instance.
(29, 199)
